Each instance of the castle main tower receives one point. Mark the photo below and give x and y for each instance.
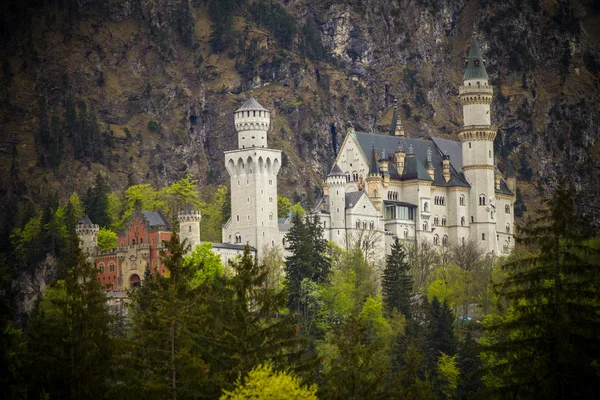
(477, 136)
(189, 226)
(336, 187)
(253, 170)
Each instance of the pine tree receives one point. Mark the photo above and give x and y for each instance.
(96, 202)
(308, 258)
(69, 348)
(440, 335)
(548, 343)
(397, 283)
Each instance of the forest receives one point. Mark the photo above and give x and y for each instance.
(320, 323)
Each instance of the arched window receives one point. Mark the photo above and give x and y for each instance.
(324, 224)
(237, 218)
(271, 217)
(492, 214)
(482, 200)
(435, 200)
(425, 226)
(189, 228)
(444, 221)
(358, 224)
(462, 199)
(483, 236)
(133, 242)
(462, 240)
(507, 228)
(111, 267)
(238, 238)
(426, 207)
(101, 268)
(436, 240)
(472, 219)
(436, 221)
(507, 209)
(406, 234)
(141, 240)
(371, 225)
(462, 221)
(445, 241)
(365, 225)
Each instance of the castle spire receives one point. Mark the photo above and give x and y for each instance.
(475, 68)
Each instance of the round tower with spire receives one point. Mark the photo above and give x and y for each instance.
(253, 169)
(477, 136)
(87, 232)
(189, 226)
(336, 188)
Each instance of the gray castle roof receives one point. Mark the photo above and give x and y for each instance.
(336, 171)
(85, 221)
(414, 166)
(251, 104)
(189, 207)
(155, 218)
(475, 68)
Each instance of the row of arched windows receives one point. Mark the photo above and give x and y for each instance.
(392, 195)
(439, 201)
(351, 178)
(436, 240)
(111, 267)
(364, 225)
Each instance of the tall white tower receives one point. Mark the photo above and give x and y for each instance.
(189, 226)
(477, 136)
(87, 232)
(336, 187)
(253, 169)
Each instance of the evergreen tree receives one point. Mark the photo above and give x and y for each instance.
(397, 283)
(96, 202)
(308, 258)
(69, 348)
(547, 345)
(440, 335)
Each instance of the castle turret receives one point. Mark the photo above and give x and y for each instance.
(396, 128)
(189, 226)
(429, 164)
(400, 155)
(446, 167)
(477, 136)
(87, 232)
(253, 170)
(252, 123)
(375, 181)
(336, 187)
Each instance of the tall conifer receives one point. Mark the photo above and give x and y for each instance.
(397, 282)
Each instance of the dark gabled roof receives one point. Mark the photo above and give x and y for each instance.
(156, 219)
(86, 221)
(504, 188)
(475, 68)
(353, 197)
(336, 171)
(370, 142)
(232, 246)
(510, 170)
(413, 169)
(251, 104)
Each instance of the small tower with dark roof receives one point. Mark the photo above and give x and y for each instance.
(87, 232)
(189, 226)
(336, 188)
(396, 128)
(252, 122)
(375, 181)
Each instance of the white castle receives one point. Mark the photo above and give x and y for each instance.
(432, 191)
(435, 190)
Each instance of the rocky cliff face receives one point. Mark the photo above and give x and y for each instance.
(147, 76)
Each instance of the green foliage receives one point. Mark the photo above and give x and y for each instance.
(107, 239)
(440, 334)
(215, 213)
(308, 258)
(397, 283)
(311, 45)
(284, 206)
(546, 343)
(207, 265)
(262, 383)
(70, 345)
(96, 202)
(448, 374)
(221, 13)
(185, 23)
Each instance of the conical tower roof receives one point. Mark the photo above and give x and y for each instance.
(336, 171)
(394, 119)
(475, 68)
(86, 221)
(251, 105)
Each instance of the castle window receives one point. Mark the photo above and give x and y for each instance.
(238, 238)
(111, 267)
(445, 241)
(283, 242)
(425, 226)
(141, 241)
(462, 199)
(238, 182)
(270, 199)
(247, 199)
(482, 200)
(462, 221)
(436, 240)
(101, 267)
(406, 234)
(492, 215)
(462, 241)
(483, 236)
(472, 219)
(357, 224)
(324, 224)
(507, 209)
(189, 228)
(271, 217)
(152, 242)
(248, 218)
(371, 225)
(364, 224)
(443, 221)
(133, 242)
(507, 228)
(426, 207)
(436, 221)
(271, 182)
(469, 144)
(254, 113)
(237, 218)
(490, 154)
